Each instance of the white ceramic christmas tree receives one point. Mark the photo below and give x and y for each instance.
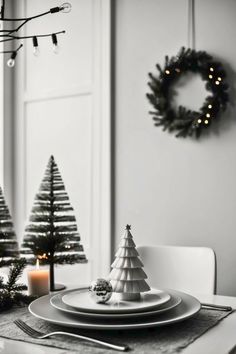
(127, 276)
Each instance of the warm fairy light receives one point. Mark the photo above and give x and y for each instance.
(210, 106)
(177, 70)
(206, 121)
(37, 264)
(44, 256)
(199, 121)
(208, 115)
(210, 76)
(211, 69)
(167, 72)
(217, 82)
(219, 78)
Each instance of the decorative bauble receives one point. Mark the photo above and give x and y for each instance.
(101, 290)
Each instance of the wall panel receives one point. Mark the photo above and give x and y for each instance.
(174, 191)
(62, 107)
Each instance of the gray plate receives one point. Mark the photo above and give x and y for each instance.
(56, 301)
(42, 309)
(81, 300)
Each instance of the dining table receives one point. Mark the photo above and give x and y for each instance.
(220, 339)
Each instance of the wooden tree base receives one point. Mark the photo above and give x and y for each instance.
(129, 296)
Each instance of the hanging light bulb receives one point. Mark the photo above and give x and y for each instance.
(55, 44)
(36, 51)
(11, 61)
(66, 7)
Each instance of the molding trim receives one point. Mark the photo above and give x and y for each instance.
(55, 94)
(101, 169)
(2, 150)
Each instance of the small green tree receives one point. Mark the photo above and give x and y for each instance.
(11, 292)
(8, 242)
(51, 234)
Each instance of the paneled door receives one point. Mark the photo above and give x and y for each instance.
(62, 108)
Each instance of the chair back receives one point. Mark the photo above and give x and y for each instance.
(188, 269)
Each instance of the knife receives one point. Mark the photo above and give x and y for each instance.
(216, 307)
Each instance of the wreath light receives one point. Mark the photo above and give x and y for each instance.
(183, 121)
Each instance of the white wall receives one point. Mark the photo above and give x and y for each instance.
(174, 191)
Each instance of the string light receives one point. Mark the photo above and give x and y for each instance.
(177, 70)
(65, 8)
(208, 115)
(55, 44)
(210, 76)
(36, 51)
(199, 121)
(206, 121)
(217, 82)
(219, 78)
(12, 34)
(167, 72)
(211, 69)
(210, 106)
(11, 61)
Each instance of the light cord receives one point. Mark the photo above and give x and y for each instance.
(191, 25)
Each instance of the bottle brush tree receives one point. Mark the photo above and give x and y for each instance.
(52, 234)
(8, 242)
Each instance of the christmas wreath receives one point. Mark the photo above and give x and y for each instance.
(183, 121)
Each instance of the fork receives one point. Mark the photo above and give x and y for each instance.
(39, 335)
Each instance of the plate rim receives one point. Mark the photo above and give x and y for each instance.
(129, 326)
(123, 310)
(76, 312)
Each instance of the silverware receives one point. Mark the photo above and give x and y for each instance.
(39, 335)
(216, 307)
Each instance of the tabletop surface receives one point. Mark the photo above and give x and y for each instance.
(218, 340)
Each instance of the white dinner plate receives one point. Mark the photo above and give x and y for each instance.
(81, 300)
(56, 301)
(42, 309)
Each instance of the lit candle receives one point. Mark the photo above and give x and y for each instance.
(38, 281)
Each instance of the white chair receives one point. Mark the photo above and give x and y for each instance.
(188, 269)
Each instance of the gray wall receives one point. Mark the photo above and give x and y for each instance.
(174, 191)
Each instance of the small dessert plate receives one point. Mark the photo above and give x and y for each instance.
(82, 301)
(56, 302)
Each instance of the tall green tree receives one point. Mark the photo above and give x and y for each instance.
(52, 234)
(8, 242)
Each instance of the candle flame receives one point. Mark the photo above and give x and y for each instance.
(37, 264)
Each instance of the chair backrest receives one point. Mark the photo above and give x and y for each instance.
(188, 269)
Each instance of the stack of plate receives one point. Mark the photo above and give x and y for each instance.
(76, 308)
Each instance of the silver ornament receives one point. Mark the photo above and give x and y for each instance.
(101, 290)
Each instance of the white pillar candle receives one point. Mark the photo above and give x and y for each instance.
(38, 281)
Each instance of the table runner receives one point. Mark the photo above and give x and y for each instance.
(162, 340)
